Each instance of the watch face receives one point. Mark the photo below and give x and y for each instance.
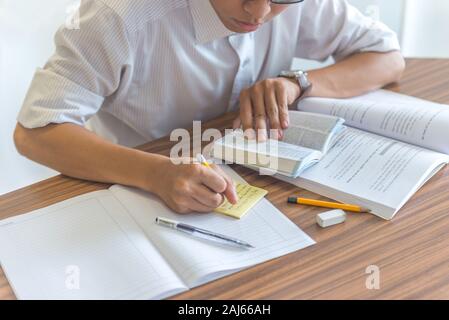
(290, 74)
(297, 74)
(286, 73)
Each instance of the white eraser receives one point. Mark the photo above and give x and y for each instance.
(330, 218)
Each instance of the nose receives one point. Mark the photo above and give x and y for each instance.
(258, 9)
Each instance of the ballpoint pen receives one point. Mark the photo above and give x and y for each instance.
(202, 233)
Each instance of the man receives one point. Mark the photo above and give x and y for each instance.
(137, 69)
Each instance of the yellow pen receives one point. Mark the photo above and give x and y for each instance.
(200, 158)
(327, 204)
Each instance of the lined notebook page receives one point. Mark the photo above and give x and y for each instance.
(197, 261)
(83, 248)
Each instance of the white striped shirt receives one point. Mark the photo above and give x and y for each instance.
(137, 69)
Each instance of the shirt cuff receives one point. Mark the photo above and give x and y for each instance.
(56, 99)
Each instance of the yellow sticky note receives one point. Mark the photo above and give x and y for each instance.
(248, 197)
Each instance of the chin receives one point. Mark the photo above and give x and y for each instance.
(240, 31)
(235, 28)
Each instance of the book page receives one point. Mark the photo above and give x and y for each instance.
(409, 120)
(87, 247)
(270, 154)
(390, 96)
(370, 170)
(310, 130)
(198, 261)
(274, 148)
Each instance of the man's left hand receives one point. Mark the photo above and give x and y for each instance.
(264, 106)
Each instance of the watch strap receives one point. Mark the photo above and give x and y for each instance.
(301, 77)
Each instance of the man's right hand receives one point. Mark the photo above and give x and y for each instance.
(187, 188)
(184, 188)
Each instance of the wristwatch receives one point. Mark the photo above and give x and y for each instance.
(302, 77)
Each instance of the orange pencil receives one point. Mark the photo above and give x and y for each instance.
(327, 204)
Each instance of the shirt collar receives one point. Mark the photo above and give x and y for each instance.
(207, 24)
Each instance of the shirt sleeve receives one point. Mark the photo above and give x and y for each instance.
(334, 28)
(85, 68)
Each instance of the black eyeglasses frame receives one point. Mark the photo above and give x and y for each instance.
(285, 1)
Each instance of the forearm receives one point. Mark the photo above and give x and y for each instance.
(357, 74)
(77, 152)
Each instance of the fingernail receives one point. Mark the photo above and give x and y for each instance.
(281, 134)
(261, 135)
(285, 123)
(250, 134)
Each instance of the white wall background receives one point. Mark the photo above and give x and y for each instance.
(388, 11)
(426, 28)
(391, 12)
(26, 35)
(27, 28)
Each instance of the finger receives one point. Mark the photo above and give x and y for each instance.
(273, 113)
(260, 118)
(237, 123)
(206, 197)
(212, 179)
(282, 102)
(246, 115)
(230, 192)
(281, 134)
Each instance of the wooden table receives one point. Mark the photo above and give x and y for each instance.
(412, 251)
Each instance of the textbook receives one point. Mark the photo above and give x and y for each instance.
(305, 142)
(107, 245)
(392, 146)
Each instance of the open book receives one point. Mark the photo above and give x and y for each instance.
(392, 146)
(106, 245)
(307, 139)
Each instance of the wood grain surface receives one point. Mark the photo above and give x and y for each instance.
(412, 251)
